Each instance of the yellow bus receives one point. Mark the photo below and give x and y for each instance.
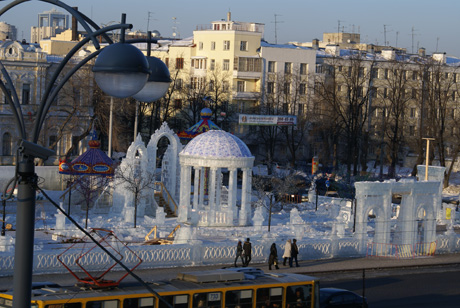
(223, 288)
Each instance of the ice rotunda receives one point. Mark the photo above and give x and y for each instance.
(206, 158)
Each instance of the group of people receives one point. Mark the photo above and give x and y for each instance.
(243, 251)
(291, 251)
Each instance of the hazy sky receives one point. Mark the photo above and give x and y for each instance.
(405, 23)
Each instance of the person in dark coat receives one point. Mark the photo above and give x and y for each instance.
(239, 253)
(294, 253)
(273, 258)
(247, 252)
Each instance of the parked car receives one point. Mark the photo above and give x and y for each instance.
(333, 297)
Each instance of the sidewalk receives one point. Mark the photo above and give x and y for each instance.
(353, 264)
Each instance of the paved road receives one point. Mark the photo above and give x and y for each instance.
(319, 268)
(436, 286)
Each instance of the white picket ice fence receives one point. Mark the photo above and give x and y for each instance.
(185, 255)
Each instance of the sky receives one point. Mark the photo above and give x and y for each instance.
(409, 24)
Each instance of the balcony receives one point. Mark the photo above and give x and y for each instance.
(247, 75)
(246, 95)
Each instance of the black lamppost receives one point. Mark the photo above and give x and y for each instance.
(121, 70)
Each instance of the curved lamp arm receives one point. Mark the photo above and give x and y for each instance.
(69, 9)
(13, 100)
(47, 99)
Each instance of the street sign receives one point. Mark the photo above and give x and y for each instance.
(328, 183)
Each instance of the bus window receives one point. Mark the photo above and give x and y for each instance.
(66, 305)
(102, 304)
(146, 302)
(269, 297)
(238, 299)
(5, 302)
(175, 301)
(211, 299)
(298, 296)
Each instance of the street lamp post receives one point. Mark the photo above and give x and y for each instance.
(121, 70)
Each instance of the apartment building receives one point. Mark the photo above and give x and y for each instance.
(233, 55)
(397, 98)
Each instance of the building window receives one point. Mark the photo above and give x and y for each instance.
(373, 93)
(225, 86)
(385, 92)
(241, 85)
(226, 65)
(243, 64)
(178, 84)
(211, 85)
(271, 66)
(288, 68)
(303, 68)
(200, 45)
(226, 45)
(199, 64)
(414, 93)
(52, 144)
(26, 94)
(213, 45)
(177, 104)
(302, 89)
(319, 68)
(244, 46)
(55, 101)
(6, 144)
(413, 112)
(213, 64)
(412, 131)
(287, 88)
(179, 63)
(270, 87)
(8, 90)
(76, 145)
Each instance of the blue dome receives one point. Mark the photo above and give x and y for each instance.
(206, 112)
(217, 143)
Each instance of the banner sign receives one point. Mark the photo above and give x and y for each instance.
(270, 120)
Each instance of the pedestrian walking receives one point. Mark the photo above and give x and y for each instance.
(294, 253)
(239, 253)
(247, 247)
(287, 253)
(273, 258)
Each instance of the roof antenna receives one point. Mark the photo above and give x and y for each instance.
(276, 24)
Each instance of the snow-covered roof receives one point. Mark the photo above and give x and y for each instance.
(215, 144)
(287, 46)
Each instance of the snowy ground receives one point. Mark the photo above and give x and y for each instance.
(47, 236)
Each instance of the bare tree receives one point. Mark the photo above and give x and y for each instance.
(90, 187)
(70, 118)
(137, 181)
(442, 110)
(393, 100)
(344, 89)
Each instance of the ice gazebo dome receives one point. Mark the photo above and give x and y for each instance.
(204, 160)
(217, 144)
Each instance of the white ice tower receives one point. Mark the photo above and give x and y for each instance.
(203, 161)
